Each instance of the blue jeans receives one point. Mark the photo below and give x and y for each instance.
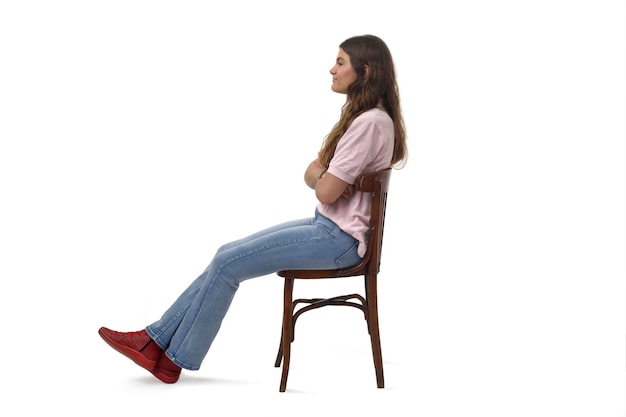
(190, 325)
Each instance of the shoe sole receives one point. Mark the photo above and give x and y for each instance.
(164, 378)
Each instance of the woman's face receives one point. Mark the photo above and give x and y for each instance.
(343, 73)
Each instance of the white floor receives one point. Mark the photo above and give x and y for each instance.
(443, 361)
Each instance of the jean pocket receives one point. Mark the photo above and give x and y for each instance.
(350, 258)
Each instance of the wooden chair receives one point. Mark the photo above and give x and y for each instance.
(377, 184)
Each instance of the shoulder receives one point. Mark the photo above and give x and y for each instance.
(373, 122)
(374, 115)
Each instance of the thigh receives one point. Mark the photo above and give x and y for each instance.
(312, 245)
(268, 231)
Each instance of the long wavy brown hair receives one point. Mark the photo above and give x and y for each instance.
(365, 93)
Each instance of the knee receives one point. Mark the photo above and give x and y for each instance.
(225, 247)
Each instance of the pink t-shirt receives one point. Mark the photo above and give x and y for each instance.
(367, 146)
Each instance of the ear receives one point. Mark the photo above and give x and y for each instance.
(367, 71)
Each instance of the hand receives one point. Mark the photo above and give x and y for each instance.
(348, 191)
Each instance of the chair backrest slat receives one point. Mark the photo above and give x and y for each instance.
(376, 183)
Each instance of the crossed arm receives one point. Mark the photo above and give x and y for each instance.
(328, 188)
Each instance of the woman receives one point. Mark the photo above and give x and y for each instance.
(368, 137)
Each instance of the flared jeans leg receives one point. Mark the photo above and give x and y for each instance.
(187, 329)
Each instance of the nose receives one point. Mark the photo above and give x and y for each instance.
(332, 70)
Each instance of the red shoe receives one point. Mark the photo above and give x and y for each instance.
(137, 346)
(166, 370)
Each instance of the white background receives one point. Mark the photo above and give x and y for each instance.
(138, 136)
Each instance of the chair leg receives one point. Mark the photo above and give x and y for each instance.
(372, 324)
(287, 333)
(279, 355)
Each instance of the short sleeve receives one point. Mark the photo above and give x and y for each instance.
(364, 147)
